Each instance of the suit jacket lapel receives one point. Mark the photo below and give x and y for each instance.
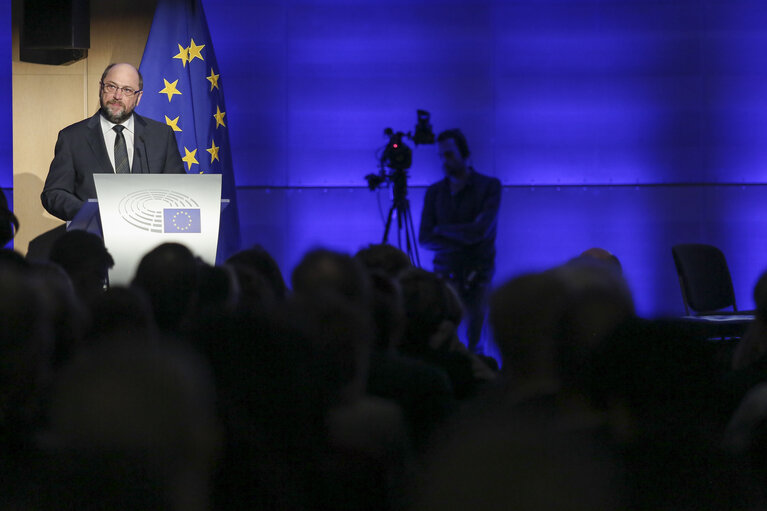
(139, 145)
(97, 145)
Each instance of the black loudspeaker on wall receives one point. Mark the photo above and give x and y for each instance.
(55, 31)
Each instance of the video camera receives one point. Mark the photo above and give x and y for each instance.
(397, 155)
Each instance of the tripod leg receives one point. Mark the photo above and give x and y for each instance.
(415, 238)
(412, 240)
(388, 225)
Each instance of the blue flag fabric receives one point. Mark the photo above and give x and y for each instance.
(183, 87)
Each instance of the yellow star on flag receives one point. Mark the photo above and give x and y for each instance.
(189, 158)
(213, 79)
(183, 54)
(194, 51)
(213, 150)
(170, 89)
(173, 123)
(219, 115)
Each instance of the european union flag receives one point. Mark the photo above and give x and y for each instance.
(180, 220)
(183, 86)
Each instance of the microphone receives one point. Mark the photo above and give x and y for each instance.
(143, 153)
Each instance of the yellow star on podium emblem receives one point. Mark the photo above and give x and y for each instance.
(183, 54)
(194, 51)
(213, 79)
(219, 115)
(189, 158)
(173, 123)
(213, 150)
(170, 89)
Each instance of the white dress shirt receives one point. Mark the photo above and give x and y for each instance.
(109, 139)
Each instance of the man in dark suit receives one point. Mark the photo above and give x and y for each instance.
(95, 146)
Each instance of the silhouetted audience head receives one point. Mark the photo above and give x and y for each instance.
(256, 292)
(524, 315)
(598, 299)
(26, 350)
(660, 373)
(9, 224)
(602, 254)
(432, 314)
(273, 396)
(169, 276)
(382, 256)
(760, 296)
(387, 310)
(509, 461)
(745, 430)
(13, 259)
(258, 259)
(132, 427)
(122, 312)
(753, 346)
(68, 314)
(658, 382)
(746, 437)
(86, 260)
(323, 271)
(219, 290)
(340, 332)
(429, 303)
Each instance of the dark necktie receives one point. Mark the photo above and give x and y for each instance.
(121, 153)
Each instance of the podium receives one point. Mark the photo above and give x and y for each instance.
(135, 213)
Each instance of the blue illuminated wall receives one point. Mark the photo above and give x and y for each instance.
(6, 93)
(630, 125)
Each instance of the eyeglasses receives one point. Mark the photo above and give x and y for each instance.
(112, 88)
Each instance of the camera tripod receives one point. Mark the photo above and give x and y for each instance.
(401, 205)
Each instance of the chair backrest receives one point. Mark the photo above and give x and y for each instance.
(704, 278)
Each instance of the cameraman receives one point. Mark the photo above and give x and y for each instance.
(459, 224)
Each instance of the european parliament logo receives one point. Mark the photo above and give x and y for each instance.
(181, 220)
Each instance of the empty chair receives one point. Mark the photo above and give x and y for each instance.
(704, 278)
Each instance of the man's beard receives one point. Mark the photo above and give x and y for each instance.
(455, 172)
(115, 118)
